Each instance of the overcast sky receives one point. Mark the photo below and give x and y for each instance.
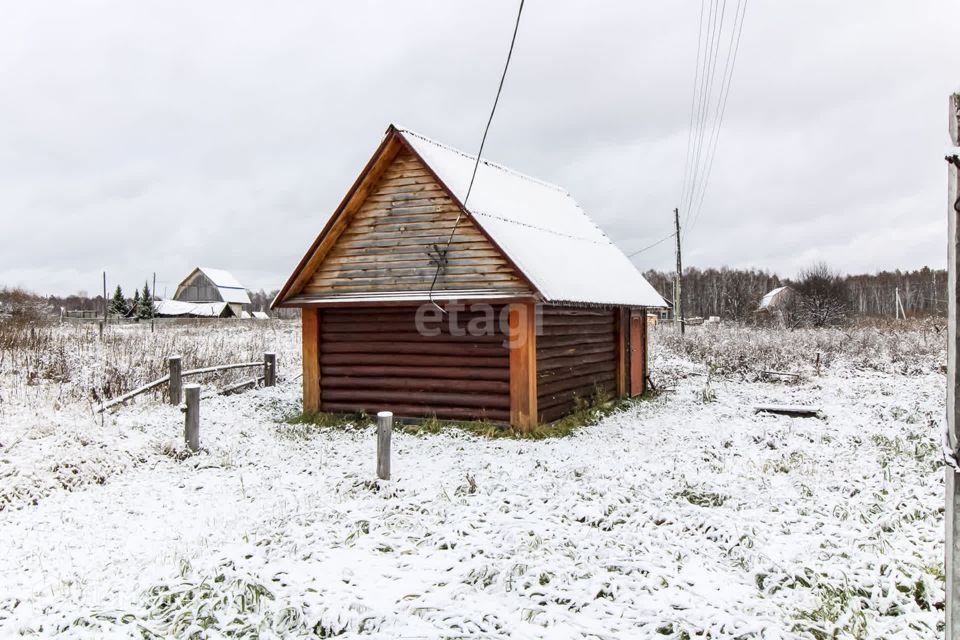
(158, 136)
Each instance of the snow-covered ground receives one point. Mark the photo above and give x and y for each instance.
(684, 516)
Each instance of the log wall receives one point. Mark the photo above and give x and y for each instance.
(577, 355)
(375, 359)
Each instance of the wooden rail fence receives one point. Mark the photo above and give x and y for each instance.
(176, 374)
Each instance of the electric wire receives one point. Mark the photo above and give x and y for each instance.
(442, 256)
(726, 83)
(693, 98)
(711, 57)
(651, 246)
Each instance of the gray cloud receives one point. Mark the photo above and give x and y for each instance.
(158, 136)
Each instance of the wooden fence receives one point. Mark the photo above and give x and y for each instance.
(176, 374)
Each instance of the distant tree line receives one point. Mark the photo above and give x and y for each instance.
(826, 296)
(922, 292)
(734, 294)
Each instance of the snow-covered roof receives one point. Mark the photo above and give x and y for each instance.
(221, 278)
(229, 287)
(541, 228)
(198, 309)
(260, 315)
(770, 297)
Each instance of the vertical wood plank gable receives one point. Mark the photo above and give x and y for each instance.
(358, 194)
(388, 243)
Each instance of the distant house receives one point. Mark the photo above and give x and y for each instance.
(775, 298)
(207, 293)
(177, 309)
(777, 305)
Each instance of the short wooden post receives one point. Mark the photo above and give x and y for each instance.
(384, 431)
(269, 369)
(175, 395)
(191, 422)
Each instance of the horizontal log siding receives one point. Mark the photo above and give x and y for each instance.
(576, 356)
(376, 360)
(386, 245)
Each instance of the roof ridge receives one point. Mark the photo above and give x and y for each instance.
(494, 165)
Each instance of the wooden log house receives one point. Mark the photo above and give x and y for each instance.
(540, 308)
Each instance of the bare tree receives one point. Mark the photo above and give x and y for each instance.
(824, 296)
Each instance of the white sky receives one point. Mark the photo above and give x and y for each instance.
(158, 136)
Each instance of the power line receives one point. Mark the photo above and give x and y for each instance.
(693, 98)
(726, 82)
(661, 240)
(710, 60)
(703, 102)
(442, 255)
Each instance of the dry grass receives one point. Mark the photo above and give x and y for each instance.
(71, 363)
(908, 348)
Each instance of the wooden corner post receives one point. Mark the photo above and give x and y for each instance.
(622, 324)
(952, 477)
(311, 360)
(522, 343)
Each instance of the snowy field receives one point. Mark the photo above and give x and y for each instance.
(684, 516)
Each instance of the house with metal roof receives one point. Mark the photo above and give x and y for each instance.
(509, 306)
(778, 306)
(206, 293)
(775, 298)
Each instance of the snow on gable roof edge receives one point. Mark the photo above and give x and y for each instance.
(221, 278)
(513, 172)
(470, 156)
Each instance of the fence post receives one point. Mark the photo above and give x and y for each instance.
(191, 423)
(176, 381)
(384, 430)
(269, 369)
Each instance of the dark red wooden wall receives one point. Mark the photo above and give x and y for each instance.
(374, 359)
(576, 357)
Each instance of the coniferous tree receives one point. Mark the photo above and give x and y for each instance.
(118, 305)
(135, 305)
(145, 310)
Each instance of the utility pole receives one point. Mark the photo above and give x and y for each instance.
(677, 293)
(153, 309)
(103, 325)
(952, 475)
